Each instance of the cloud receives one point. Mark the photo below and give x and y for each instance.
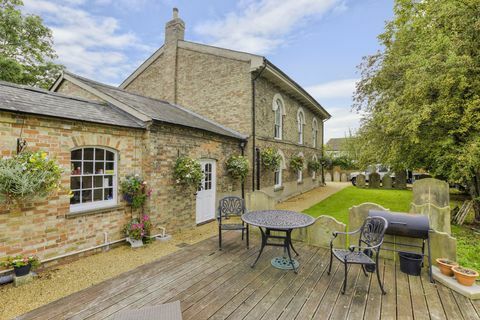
(343, 120)
(333, 89)
(88, 44)
(262, 26)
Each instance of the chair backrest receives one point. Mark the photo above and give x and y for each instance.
(373, 231)
(231, 206)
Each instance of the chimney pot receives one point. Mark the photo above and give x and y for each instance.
(175, 13)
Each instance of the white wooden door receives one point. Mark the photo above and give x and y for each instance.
(205, 209)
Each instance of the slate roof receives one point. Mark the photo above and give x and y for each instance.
(160, 110)
(337, 144)
(25, 99)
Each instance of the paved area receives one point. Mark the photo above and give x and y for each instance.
(308, 199)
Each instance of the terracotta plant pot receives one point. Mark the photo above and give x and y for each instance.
(465, 276)
(445, 265)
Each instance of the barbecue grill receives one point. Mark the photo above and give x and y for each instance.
(415, 226)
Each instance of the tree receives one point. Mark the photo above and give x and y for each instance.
(421, 93)
(26, 52)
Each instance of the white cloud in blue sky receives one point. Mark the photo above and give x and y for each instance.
(317, 42)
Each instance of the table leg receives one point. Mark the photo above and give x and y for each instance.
(288, 242)
(264, 242)
(291, 244)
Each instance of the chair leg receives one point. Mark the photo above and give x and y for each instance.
(364, 271)
(379, 282)
(345, 280)
(330, 265)
(220, 238)
(248, 235)
(242, 233)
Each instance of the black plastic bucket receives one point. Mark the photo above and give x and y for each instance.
(410, 263)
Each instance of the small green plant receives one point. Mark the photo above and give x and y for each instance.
(271, 159)
(27, 176)
(20, 261)
(135, 191)
(237, 167)
(188, 171)
(314, 165)
(138, 228)
(297, 163)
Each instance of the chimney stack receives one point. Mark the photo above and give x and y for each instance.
(175, 28)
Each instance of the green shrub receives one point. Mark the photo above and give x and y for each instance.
(314, 165)
(135, 191)
(270, 158)
(188, 172)
(237, 167)
(28, 176)
(297, 163)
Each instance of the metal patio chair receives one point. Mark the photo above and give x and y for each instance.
(370, 240)
(228, 207)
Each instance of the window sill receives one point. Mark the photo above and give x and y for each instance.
(88, 212)
(279, 188)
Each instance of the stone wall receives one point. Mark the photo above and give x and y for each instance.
(47, 228)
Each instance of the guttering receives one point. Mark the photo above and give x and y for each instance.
(254, 120)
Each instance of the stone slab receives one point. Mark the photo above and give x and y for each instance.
(20, 281)
(472, 292)
(374, 180)
(361, 181)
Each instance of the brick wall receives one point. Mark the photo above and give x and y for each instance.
(47, 228)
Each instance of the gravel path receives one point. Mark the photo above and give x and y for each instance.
(306, 200)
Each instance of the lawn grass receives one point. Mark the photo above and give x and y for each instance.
(337, 205)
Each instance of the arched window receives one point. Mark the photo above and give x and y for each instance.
(300, 172)
(278, 108)
(279, 171)
(93, 179)
(314, 132)
(314, 173)
(301, 125)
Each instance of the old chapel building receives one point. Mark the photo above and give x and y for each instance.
(188, 99)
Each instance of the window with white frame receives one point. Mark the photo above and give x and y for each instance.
(301, 125)
(314, 173)
(279, 172)
(279, 110)
(93, 179)
(314, 132)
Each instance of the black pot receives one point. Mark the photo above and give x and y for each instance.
(22, 271)
(410, 263)
(128, 198)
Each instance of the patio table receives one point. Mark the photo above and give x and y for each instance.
(279, 221)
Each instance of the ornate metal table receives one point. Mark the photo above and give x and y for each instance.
(279, 221)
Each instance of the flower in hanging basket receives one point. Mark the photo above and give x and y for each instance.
(271, 159)
(134, 191)
(188, 172)
(27, 176)
(314, 165)
(237, 167)
(297, 163)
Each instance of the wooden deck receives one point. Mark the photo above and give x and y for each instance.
(213, 284)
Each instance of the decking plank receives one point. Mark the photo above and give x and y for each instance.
(465, 306)
(389, 300)
(374, 302)
(360, 296)
(419, 303)
(403, 295)
(342, 305)
(434, 304)
(448, 302)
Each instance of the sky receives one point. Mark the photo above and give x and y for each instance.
(318, 43)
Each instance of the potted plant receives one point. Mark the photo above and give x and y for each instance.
(135, 191)
(188, 172)
(237, 167)
(314, 165)
(296, 163)
(465, 276)
(270, 158)
(28, 175)
(138, 230)
(445, 265)
(21, 265)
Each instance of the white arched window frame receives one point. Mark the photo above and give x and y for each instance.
(314, 132)
(278, 107)
(314, 173)
(278, 175)
(300, 172)
(93, 178)
(301, 125)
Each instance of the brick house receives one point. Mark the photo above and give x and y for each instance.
(242, 91)
(187, 99)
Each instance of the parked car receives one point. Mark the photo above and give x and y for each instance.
(381, 169)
